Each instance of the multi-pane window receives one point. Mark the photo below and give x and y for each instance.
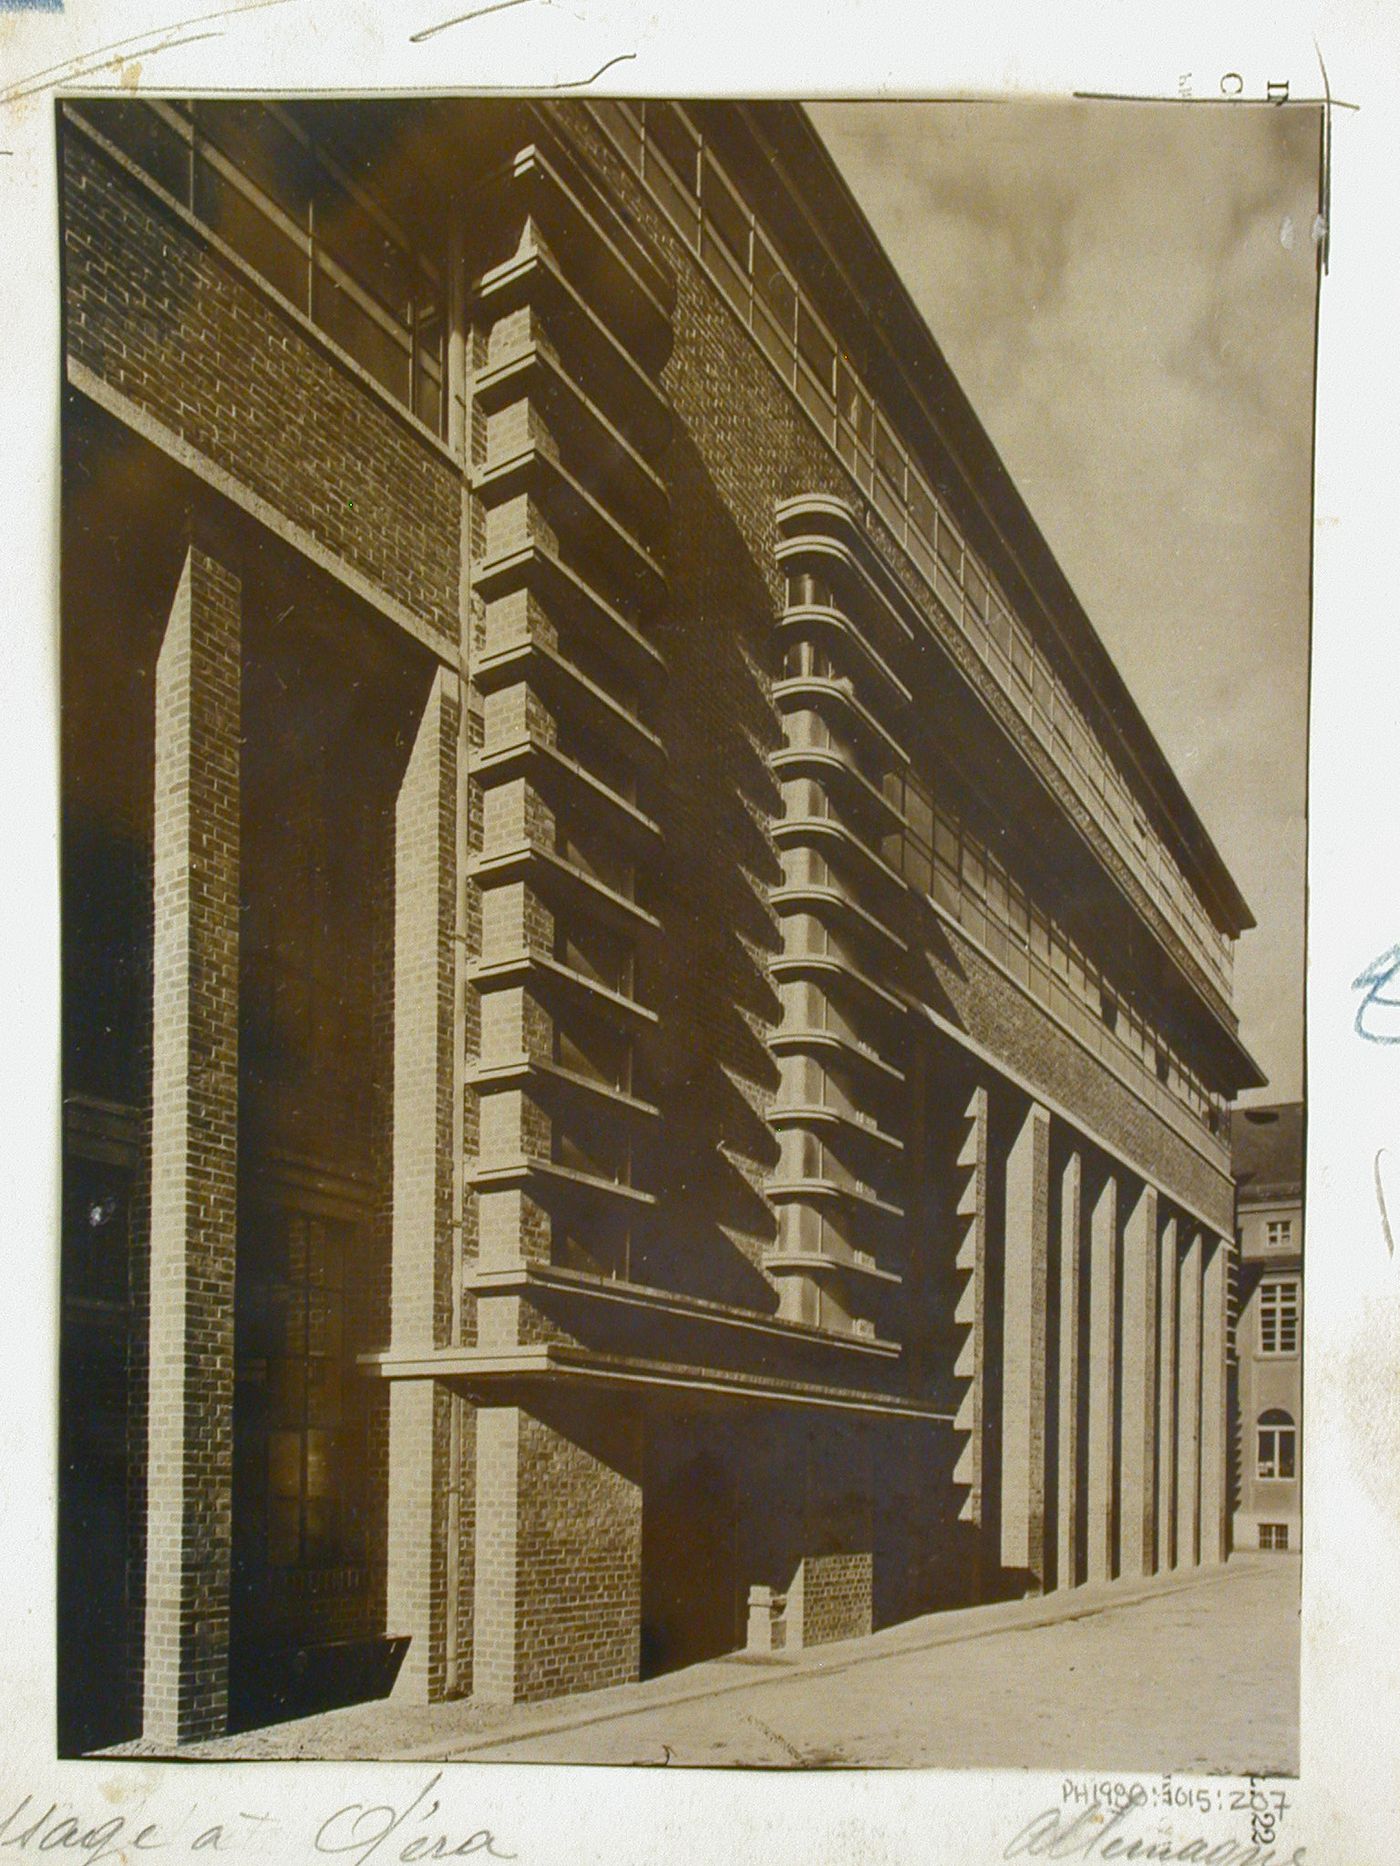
(1278, 1233)
(1277, 1445)
(1278, 1316)
(293, 1350)
(251, 174)
(992, 905)
(663, 146)
(1273, 1536)
(910, 847)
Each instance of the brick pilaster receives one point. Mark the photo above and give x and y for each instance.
(1139, 1432)
(1166, 1400)
(1067, 1567)
(1188, 1406)
(1023, 1348)
(1214, 1502)
(194, 1131)
(1103, 1349)
(425, 896)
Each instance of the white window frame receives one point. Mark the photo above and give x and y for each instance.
(1268, 1469)
(1275, 1309)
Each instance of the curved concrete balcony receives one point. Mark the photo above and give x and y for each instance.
(837, 967)
(838, 698)
(816, 1116)
(556, 874)
(818, 1263)
(826, 897)
(531, 756)
(829, 765)
(848, 565)
(849, 645)
(833, 833)
(562, 683)
(806, 1039)
(538, 970)
(818, 1189)
(605, 368)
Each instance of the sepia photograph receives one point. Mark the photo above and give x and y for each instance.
(683, 760)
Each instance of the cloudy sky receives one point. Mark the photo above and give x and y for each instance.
(1126, 292)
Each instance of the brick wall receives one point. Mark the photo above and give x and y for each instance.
(194, 1130)
(740, 445)
(162, 317)
(558, 1548)
(425, 904)
(1008, 1024)
(553, 1525)
(836, 1596)
(578, 1603)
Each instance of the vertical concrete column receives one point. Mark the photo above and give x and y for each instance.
(1103, 1296)
(421, 1296)
(558, 1603)
(970, 1314)
(1138, 1483)
(194, 1132)
(1023, 1348)
(1071, 1354)
(1214, 1322)
(1166, 1399)
(1188, 1405)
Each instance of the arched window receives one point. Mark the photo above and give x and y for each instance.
(1278, 1445)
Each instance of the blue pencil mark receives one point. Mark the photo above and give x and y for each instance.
(1373, 981)
(31, 6)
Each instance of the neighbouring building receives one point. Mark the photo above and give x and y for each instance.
(1267, 1145)
(648, 1031)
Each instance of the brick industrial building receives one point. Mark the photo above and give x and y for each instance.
(647, 1029)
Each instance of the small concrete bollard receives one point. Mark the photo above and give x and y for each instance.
(766, 1626)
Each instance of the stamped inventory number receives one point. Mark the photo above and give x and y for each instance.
(1259, 1800)
(1113, 1817)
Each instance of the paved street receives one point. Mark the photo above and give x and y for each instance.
(1204, 1679)
(1198, 1673)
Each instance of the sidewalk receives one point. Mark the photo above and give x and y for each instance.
(1191, 1672)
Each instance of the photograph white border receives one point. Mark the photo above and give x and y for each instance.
(1345, 1800)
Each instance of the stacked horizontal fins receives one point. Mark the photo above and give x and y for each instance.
(571, 324)
(839, 1187)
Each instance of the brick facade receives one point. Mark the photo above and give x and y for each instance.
(836, 1593)
(558, 1550)
(1024, 1345)
(175, 325)
(425, 897)
(657, 1217)
(194, 1137)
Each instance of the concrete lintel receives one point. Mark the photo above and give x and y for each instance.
(471, 1366)
(228, 486)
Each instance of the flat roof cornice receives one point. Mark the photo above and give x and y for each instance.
(780, 154)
